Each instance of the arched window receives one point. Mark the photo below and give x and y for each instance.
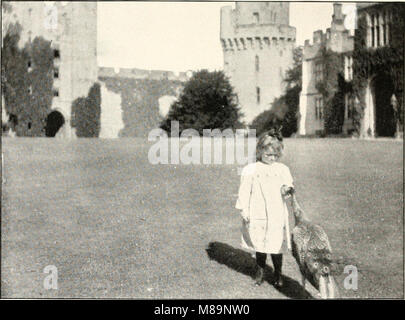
(257, 65)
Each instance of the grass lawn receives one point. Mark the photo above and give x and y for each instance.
(116, 226)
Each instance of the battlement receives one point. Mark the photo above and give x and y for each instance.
(256, 25)
(336, 38)
(134, 73)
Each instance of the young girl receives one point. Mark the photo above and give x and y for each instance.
(261, 201)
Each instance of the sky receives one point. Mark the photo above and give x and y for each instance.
(181, 36)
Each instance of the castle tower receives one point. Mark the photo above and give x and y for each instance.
(257, 43)
(72, 29)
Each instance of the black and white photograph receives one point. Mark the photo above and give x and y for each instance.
(164, 150)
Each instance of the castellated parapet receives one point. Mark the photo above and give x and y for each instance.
(134, 73)
(257, 43)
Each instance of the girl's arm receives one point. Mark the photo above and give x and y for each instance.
(288, 183)
(244, 194)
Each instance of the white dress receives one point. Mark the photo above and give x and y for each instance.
(261, 202)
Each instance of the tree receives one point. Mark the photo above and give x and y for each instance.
(86, 113)
(207, 102)
(41, 84)
(266, 120)
(284, 109)
(294, 75)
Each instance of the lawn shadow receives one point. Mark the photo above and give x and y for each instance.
(241, 261)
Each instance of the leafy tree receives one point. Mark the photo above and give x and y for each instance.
(86, 113)
(293, 76)
(284, 109)
(207, 102)
(266, 120)
(41, 82)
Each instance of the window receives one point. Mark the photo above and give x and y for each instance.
(349, 106)
(56, 93)
(386, 27)
(384, 30)
(378, 29)
(257, 63)
(348, 68)
(372, 31)
(256, 17)
(56, 73)
(56, 53)
(258, 95)
(318, 71)
(318, 108)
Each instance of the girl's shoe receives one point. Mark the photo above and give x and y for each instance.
(259, 278)
(278, 282)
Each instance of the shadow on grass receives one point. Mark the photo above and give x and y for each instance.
(241, 261)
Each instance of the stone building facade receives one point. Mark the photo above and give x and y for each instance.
(72, 29)
(381, 38)
(257, 43)
(311, 108)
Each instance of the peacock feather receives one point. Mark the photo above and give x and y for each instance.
(310, 247)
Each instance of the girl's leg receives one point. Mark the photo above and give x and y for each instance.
(261, 263)
(277, 263)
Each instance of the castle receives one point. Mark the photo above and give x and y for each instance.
(133, 101)
(257, 43)
(337, 39)
(374, 102)
(72, 29)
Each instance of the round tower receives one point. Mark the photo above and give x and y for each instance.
(257, 43)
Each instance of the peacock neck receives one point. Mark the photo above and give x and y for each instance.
(298, 213)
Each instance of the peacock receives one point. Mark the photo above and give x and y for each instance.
(312, 251)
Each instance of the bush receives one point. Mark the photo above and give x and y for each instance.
(86, 114)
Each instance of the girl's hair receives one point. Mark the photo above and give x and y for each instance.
(271, 138)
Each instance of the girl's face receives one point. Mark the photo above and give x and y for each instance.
(271, 151)
(269, 155)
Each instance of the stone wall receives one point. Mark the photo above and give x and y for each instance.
(141, 97)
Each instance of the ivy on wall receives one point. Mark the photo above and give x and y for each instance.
(387, 61)
(333, 88)
(27, 82)
(140, 102)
